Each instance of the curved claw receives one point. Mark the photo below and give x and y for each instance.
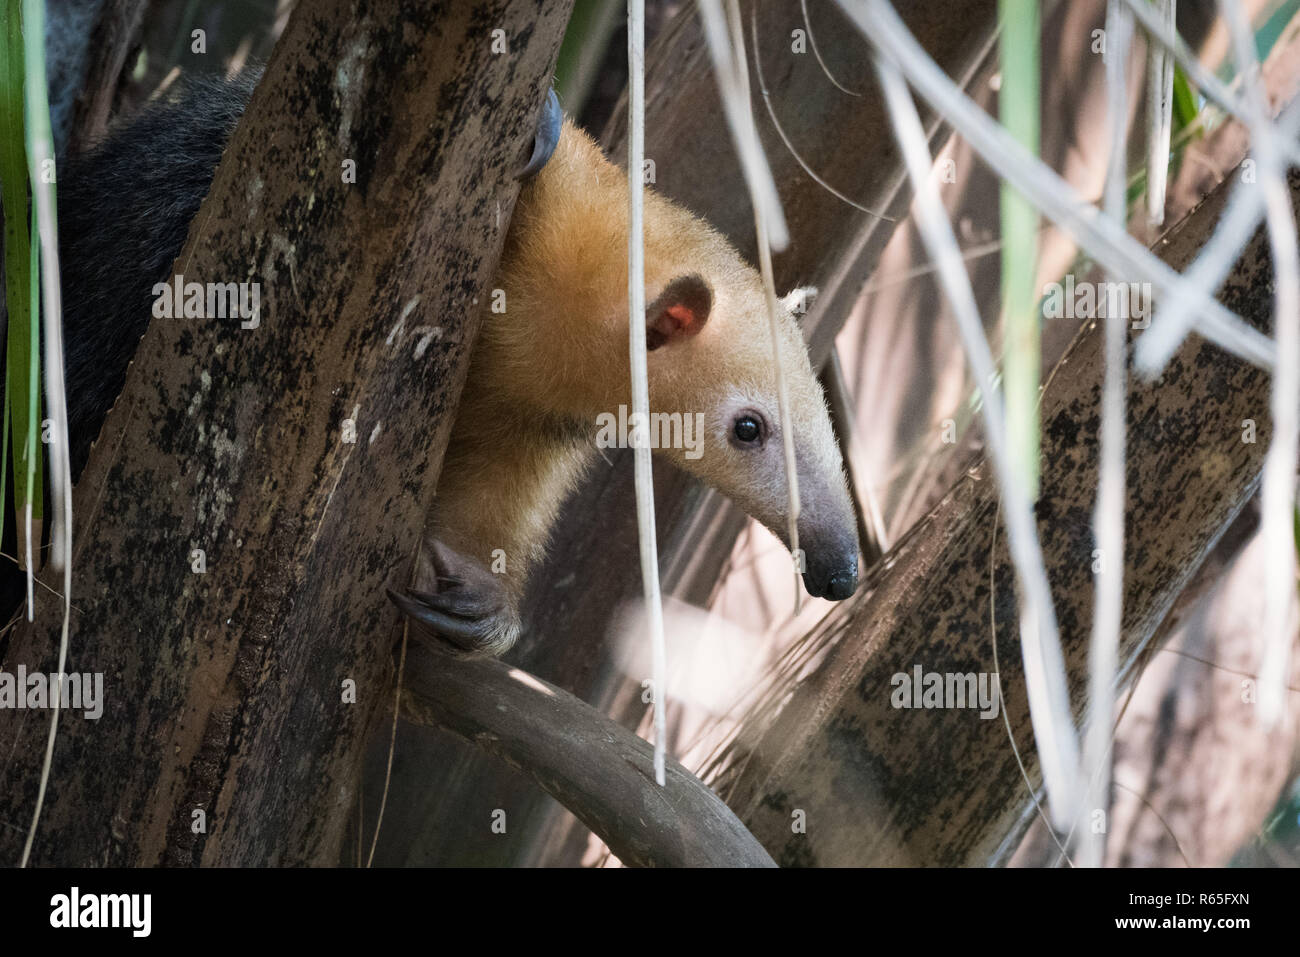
(548, 135)
(468, 634)
(458, 602)
(458, 599)
(491, 633)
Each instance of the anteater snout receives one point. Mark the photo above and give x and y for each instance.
(843, 584)
(828, 536)
(836, 583)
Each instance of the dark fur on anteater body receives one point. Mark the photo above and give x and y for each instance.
(124, 211)
(557, 355)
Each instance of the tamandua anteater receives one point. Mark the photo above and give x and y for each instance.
(544, 374)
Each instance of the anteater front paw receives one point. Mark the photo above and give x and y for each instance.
(459, 600)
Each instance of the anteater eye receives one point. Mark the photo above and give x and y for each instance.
(747, 429)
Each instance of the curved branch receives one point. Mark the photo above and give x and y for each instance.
(598, 769)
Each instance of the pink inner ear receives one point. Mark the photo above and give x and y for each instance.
(680, 312)
(684, 319)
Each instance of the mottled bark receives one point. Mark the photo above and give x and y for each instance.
(886, 785)
(300, 455)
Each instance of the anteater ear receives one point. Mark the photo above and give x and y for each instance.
(680, 312)
(798, 301)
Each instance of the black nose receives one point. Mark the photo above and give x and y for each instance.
(842, 585)
(838, 587)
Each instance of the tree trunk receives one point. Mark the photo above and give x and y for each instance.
(300, 456)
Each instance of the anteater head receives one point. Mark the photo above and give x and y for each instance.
(711, 363)
(712, 358)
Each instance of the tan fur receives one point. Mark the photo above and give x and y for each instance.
(543, 370)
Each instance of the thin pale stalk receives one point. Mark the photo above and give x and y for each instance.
(645, 501)
(769, 288)
(1108, 518)
(30, 458)
(812, 42)
(1160, 115)
(753, 162)
(41, 162)
(780, 129)
(40, 158)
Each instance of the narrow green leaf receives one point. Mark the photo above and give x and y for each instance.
(1295, 529)
(1185, 110)
(591, 25)
(22, 277)
(4, 471)
(1018, 109)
